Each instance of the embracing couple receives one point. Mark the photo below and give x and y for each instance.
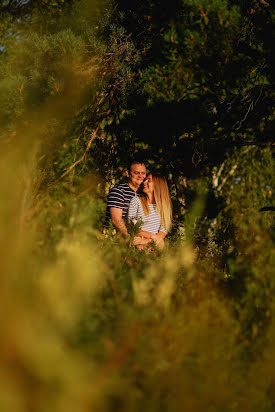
(144, 200)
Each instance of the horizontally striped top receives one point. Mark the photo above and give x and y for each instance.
(119, 197)
(151, 223)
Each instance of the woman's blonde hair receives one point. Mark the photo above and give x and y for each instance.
(163, 202)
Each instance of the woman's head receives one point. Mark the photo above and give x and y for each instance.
(157, 185)
(148, 185)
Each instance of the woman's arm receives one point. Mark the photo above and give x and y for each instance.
(159, 241)
(161, 235)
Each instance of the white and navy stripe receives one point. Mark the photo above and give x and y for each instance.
(150, 223)
(119, 197)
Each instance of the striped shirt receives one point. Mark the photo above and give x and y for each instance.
(119, 197)
(150, 223)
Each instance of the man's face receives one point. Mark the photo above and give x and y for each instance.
(137, 174)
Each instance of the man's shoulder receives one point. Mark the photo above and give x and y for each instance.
(116, 188)
(121, 187)
(120, 194)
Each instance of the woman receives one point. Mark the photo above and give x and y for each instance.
(154, 211)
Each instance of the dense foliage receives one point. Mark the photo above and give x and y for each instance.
(87, 321)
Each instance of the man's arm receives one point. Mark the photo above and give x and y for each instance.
(116, 216)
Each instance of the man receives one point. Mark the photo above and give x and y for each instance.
(120, 195)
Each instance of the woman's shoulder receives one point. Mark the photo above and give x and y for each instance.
(134, 201)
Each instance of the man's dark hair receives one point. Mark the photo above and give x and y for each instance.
(134, 161)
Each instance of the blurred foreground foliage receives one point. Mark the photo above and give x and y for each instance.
(88, 322)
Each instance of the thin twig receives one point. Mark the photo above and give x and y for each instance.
(93, 136)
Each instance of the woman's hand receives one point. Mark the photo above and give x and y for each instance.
(138, 240)
(144, 234)
(141, 242)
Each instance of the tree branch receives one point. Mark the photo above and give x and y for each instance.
(93, 136)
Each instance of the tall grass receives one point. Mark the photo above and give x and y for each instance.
(101, 326)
